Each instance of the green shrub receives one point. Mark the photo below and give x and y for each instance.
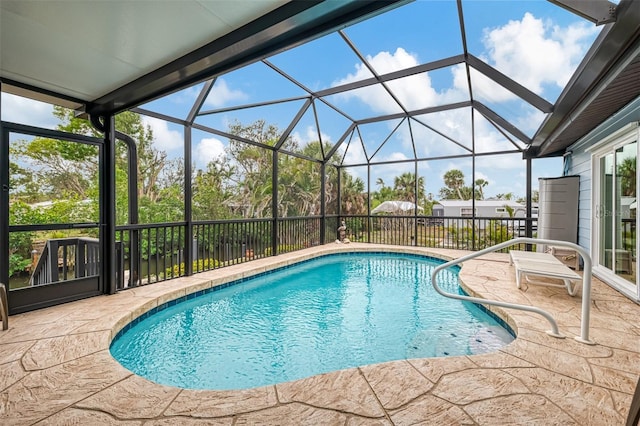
(198, 266)
(284, 248)
(17, 264)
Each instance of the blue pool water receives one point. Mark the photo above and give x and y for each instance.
(322, 315)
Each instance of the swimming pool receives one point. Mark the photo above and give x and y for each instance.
(329, 313)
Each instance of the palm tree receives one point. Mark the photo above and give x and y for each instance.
(454, 180)
(481, 183)
(507, 197)
(405, 187)
(353, 196)
(627, 174)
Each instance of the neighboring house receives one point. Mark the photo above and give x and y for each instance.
(483, 208)
(453, 210)
(605, 159)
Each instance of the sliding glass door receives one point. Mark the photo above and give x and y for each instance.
(615, 205)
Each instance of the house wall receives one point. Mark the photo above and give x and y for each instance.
(481, 211)
(579, 163)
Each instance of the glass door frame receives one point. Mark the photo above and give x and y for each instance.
(609, 145)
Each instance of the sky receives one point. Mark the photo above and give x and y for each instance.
(535, 43)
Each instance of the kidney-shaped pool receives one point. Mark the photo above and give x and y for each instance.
(329, 313)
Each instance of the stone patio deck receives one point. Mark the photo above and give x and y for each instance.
(56, 366)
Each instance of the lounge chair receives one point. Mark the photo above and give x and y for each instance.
(546, 265)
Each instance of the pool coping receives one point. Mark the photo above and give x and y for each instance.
(57, 366)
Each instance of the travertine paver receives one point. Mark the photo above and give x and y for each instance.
(429, 409)
(328, 390)
(134, 397)
(197, 403)
(396, 383)
(55, 367)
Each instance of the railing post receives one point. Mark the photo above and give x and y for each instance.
(323, 200)
(53, 260)
(81, 250)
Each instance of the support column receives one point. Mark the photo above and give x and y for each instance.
(369, 221)
(323, 200)
(529, 223)
(4, 207)
(339, 200)
(188, 195)
(417, 198)
(274, 203)
(473, 202)
(108, 206)
(132, 188)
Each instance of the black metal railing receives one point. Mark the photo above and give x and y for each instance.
(295, 233)
(229, 242)
(66, 258)
(161, 253)
(149, 253)
(629, 236)
(460, 233)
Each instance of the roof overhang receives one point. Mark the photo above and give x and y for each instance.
(112, 56)
(107, 57)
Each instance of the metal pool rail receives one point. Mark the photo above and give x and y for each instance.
(586, 285)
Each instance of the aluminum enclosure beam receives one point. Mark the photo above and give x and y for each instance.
(597, 11)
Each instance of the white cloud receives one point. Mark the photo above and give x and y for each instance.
(484, 88)
(21, 110)
(514, 49)
(480, 175)
(164, 138)
(221, 94)
(534, 52)
(208, 149)
(415, 91)
(355, 154)
(310, 135)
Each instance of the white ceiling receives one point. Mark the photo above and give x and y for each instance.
(86, 49)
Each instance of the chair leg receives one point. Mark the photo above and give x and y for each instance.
(571, 288)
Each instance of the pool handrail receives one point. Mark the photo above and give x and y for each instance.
(4, 307)
(586, 285)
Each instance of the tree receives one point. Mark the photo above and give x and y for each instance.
(480, 184)
(627, 174)
(507, 197)
(405, 187)
(210, 191)
(384, 193)
(454, 186)
(353, 196)
(64, 170)
(252, 168)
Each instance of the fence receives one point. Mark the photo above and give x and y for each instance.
(157, 252)
(462, 233)
(66, 258)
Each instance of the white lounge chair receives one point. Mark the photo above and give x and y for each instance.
(546, 265)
